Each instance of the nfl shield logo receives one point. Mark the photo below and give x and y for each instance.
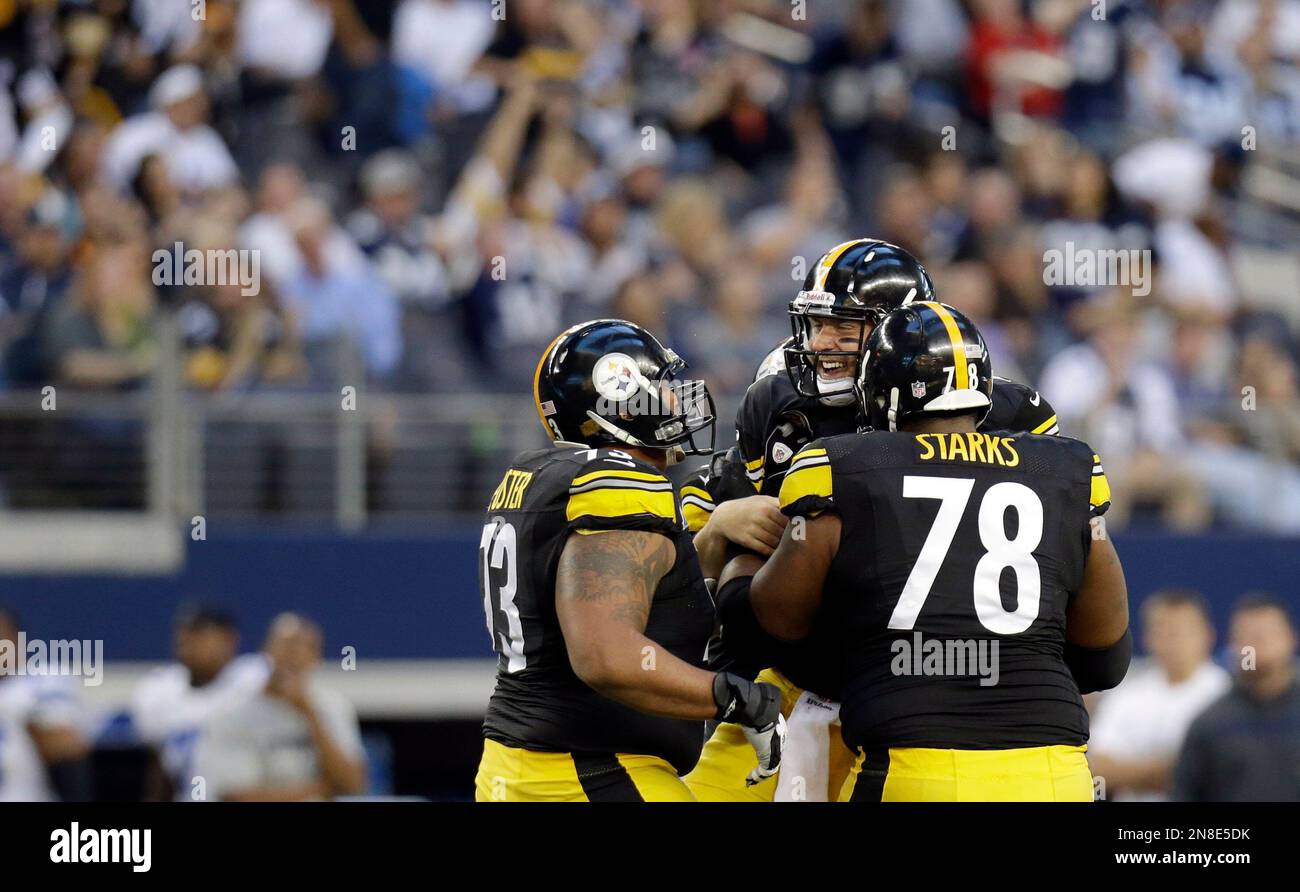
(918, 389)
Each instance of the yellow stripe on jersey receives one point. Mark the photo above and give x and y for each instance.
(1100, 496)
(809, 475)
(755, 464)
(608, 501)
(614, 474)
(962, 380)
(616, 493)
(1045, 426)
(697, 506)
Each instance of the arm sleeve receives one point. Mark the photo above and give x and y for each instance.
(806, 489)
(1040, 419)
(697, 500)
(609, 493)
(1101, 668)
(1099, 490)
(751, 431)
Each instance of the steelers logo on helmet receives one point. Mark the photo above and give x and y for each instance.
(616, 377)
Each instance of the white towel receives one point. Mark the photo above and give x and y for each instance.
(805, 763)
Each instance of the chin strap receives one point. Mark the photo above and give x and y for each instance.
(893, 408)
(835, 391)
(674, 454)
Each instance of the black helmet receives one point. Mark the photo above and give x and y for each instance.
(922, 359)
(858, 280)
(606, 381)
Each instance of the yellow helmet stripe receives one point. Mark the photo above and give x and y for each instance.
(828, 261)
(962, 380)
(537, 384)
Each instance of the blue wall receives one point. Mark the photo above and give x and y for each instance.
(413, 595)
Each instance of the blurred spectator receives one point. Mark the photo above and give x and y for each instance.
(400, 243)
(176, 131)
(294, 740)
(1106, 392)
(235, 340)
(42, 745)
(171, 705)
(334, 308)
(1138, 728)
(35, 283)
(1245, 747)
(1013, 61)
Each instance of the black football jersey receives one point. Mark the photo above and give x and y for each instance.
(774, 423)
(957, 561)
(539, 703)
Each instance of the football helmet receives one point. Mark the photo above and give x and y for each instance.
(922, 359)
(861, 280)
(609, 381)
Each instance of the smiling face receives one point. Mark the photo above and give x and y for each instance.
(828, 335)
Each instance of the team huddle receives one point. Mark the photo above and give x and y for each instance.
(895, 586)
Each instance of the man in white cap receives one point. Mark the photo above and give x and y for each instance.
(176, 131)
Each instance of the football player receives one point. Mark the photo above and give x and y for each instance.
(805, 389)
(968, 569)
(595, 600)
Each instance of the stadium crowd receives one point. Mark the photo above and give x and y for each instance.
(445, 183)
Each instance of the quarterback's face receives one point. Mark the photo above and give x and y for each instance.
(837, 335)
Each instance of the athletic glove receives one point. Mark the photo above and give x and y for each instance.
(756, 707)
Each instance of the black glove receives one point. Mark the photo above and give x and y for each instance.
(749, 703)
(756, 707)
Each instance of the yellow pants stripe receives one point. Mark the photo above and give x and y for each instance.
(511, 774)
(1028, 774)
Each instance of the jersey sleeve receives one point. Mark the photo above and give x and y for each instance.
(806, 489)
(696, 500)
(751, 430)
(1018, 407)
(1099, 495)
(610, 493)
(1042, 417)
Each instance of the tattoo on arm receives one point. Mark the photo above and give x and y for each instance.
(619, 569)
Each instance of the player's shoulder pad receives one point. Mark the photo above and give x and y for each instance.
(761, 409)
(1018, 407)
(611, 490)
(696, 499)
(806, 488)
(1083, 463)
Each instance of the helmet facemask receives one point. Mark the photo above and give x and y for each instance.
(666, 413)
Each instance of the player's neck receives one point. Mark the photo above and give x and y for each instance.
(656, 458)
(962, 425)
